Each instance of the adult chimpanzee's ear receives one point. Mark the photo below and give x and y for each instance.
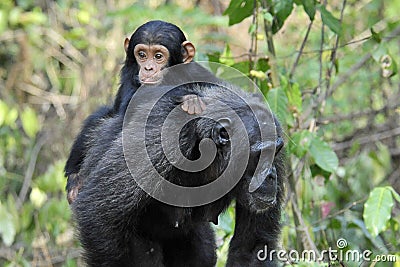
(219, 133)
(126, 44)
(189, 53)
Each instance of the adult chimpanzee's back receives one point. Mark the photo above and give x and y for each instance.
(128, 216)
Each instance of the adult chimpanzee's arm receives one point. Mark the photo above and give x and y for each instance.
(256, 234)
(81, 145)
(257, 226)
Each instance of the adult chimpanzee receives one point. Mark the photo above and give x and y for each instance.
(153, 46)
(121, 224)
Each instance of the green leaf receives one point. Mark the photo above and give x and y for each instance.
(252, 28)
(376, 36)
(263, 64)
(53, 179)
(214, 57)
(238, 10)
(242, 66)
(309, 7)
(380, 52)
(30, 122)
(377, 210)
(268, 17)
(323, 155)
(3, 21)
(294, 95)
(282, 10)
(227, 57)
(37, 197)
(300, 143)
(395, 194)
(11, 117)
(329, 20)
(277, 101)
(7, 229)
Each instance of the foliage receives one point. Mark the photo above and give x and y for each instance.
(328, 69)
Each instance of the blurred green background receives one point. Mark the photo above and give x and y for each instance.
(329, 70)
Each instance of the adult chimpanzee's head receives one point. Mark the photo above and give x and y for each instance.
(154, 46)
(262, 183)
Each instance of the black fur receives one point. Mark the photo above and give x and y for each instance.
(153, 32)
(121, 225)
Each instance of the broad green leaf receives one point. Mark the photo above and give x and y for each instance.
(395, 194)
(377, 210)
(323, 155)
(238, 10)
(214, 57)
(329, 20)
(309, 8)
(227, 57)
(30, 122)
(263, 64)
(282, 10)
(242, 66)
(300, 143)
(7, 229)
(277, 101)
(11, 117)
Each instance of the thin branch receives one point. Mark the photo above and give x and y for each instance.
(367, 139)
(29, 171)
(268, 32)
(271, 48)
(253, 37)
(321, 66)
(329, 90)
(343, 78)
(338, 117)
(303, 44)
(307, 241)
(346, 75)
(333, 215)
